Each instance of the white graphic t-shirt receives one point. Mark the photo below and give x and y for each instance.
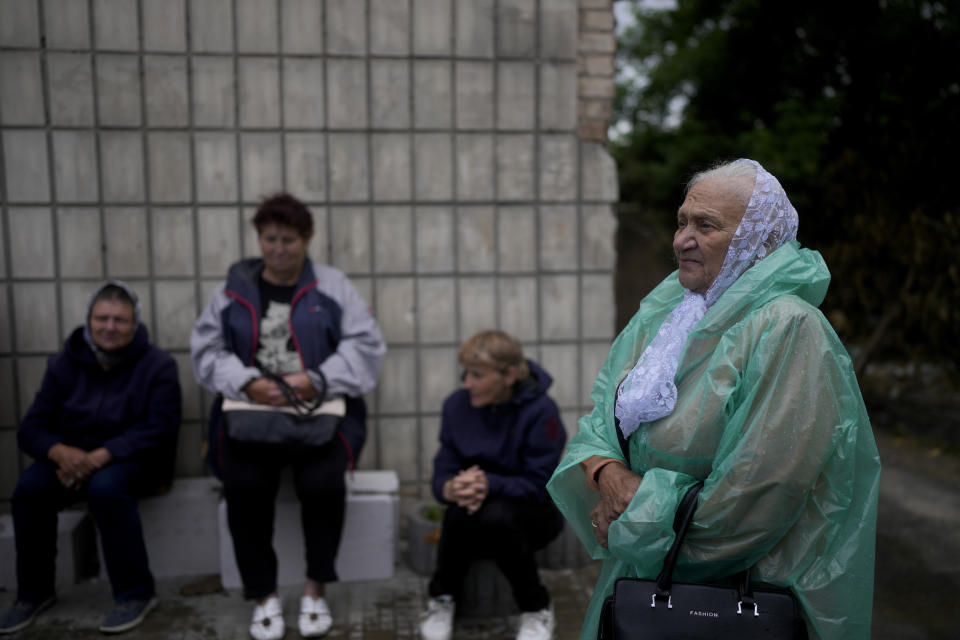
(276, 351)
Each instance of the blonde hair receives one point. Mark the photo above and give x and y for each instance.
(495, 349)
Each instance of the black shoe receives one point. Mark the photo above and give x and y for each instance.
(127, 615)
(22, 614)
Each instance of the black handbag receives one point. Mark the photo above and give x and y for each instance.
(661, 609)
(298, 422)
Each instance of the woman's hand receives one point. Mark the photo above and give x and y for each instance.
(600, 517)
(618, 485)
(75, 466)
(265, 391)
(70, 459)
(477, 488)
(301, 383)
(467, 489)
(100, 457)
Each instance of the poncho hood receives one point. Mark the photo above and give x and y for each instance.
(790, 270)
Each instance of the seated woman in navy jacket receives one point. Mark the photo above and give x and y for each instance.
(500, 439)
(102, 428)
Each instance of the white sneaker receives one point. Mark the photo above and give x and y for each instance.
(436, 623)
(537, 625)
(267, 623)
(315, 619)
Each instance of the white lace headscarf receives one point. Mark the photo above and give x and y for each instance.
(649, 391)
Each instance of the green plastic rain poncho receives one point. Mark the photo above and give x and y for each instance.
(770, 416)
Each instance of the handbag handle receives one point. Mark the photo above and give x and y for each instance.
(302, 407)
(681, 522)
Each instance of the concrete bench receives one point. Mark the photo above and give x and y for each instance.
(186, 534)
(76, 549)
(367, 546)
(180, 528)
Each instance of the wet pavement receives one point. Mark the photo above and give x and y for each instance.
(916, 596)
(918, 542)
(365, 610)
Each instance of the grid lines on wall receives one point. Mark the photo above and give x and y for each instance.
(435, 142)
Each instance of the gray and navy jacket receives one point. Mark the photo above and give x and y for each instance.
(335, 334)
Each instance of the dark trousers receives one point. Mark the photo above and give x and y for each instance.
(505, 530)
(251, 478)
(111, 496)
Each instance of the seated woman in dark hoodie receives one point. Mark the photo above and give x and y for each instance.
(102, 428)
(500, 439)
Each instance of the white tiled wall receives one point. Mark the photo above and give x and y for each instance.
(435, 141)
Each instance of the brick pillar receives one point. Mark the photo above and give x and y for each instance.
(595, 71)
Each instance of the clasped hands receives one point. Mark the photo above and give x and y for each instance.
(617, 485)
(266, 391)
(467, 489)
(75, 466)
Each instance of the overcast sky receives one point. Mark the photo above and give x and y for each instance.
(623, 10)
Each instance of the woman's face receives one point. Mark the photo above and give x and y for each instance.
(487, 385)
(706, 222)
(111, 324)
(283, 250)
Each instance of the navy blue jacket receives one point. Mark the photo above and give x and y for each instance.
(314, 317)
(517, 444)
(133, 409)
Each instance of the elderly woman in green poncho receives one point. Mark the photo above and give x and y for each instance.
(728, 373)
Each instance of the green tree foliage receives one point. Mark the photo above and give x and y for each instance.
(854, 106)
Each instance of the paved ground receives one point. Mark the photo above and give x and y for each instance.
(918, 542)
(374, 610)
(918, 579)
